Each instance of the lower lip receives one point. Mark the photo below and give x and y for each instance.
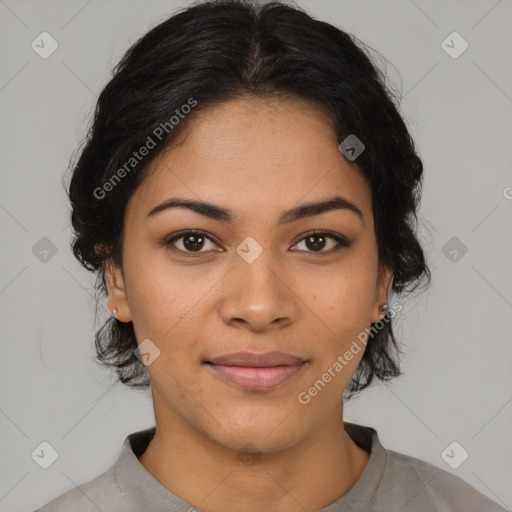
(256, 378)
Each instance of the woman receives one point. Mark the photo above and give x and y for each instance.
(247, 197)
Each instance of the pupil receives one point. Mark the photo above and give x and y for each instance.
(317, 245)
(197, 241)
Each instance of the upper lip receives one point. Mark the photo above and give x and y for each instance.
(263, 360)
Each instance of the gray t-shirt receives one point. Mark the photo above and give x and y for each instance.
(391, 482)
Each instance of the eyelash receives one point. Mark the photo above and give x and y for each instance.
(341, 241)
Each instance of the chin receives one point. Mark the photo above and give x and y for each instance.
(265, 431)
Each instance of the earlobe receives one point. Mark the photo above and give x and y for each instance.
(385, 281)
(116, 299)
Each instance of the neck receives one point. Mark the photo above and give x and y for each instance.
(310, 475)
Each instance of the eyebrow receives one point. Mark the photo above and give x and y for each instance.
(223, 214)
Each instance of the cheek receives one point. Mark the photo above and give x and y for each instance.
(155, 297)
(342, 294)
(341, 306)
(167, 310)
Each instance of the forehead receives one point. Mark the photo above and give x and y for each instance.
(255, 156)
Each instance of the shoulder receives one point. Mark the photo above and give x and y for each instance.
(417, 485)
(100, 493)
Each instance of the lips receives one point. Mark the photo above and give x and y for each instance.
(256, 372)
(263, 360)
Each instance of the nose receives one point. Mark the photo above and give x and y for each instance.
(258, 295)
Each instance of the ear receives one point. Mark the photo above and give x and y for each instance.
(116, 291)
(384, 283)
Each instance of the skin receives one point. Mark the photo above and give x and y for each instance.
(258, 158)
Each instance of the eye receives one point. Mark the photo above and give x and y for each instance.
(191, 241)
(317, 241)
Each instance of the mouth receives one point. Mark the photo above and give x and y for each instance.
(256, 372)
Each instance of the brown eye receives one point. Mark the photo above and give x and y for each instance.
(190, 241)
(319, 240)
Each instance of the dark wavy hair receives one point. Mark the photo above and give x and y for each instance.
(214, 52)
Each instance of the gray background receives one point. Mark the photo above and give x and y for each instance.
(457, 384)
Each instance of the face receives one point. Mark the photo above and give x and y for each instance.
(259, 281)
